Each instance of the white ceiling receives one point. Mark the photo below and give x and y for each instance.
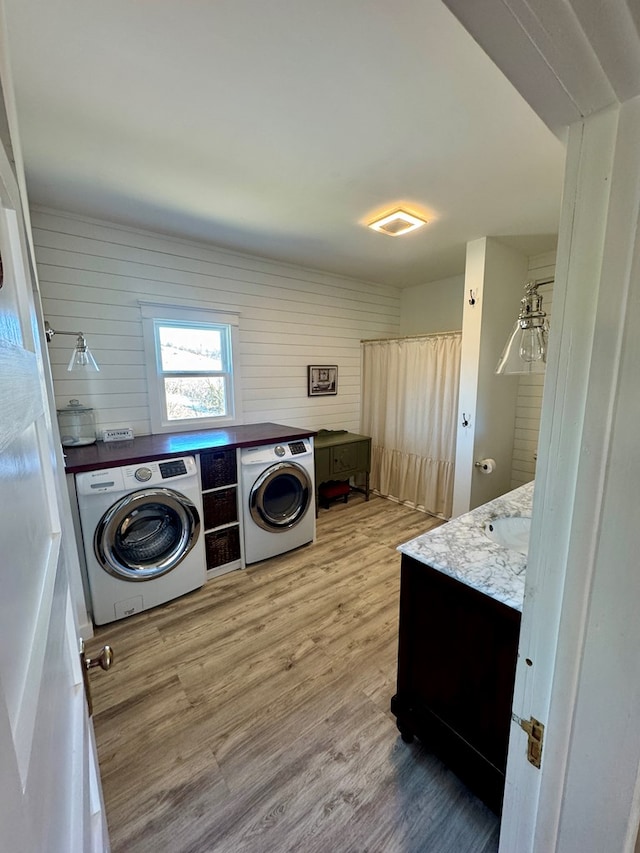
(278, 128)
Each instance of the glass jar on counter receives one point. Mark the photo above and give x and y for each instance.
(77, 424)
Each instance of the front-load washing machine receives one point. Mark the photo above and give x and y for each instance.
(278, 498)
(142, 535)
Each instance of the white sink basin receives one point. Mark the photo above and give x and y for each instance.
(511, 532)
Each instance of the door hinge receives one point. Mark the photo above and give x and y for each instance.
(535, 735)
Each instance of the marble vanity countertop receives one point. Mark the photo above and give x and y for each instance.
(461, 549)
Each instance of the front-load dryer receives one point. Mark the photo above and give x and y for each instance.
(142, 535)
(278, 496)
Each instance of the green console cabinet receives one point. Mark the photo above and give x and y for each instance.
(340, 455)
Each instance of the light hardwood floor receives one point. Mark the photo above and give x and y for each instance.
(253, 715)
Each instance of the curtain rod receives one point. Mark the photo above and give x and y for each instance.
(410, 337)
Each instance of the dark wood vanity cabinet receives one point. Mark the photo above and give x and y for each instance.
(456, 668)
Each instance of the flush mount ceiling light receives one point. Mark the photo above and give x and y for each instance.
(397, 223)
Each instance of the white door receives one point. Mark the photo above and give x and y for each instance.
(578, 668)
(51, 796)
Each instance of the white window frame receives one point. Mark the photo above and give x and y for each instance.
(156, 314)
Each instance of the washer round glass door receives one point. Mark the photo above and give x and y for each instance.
(146, 534)
(280, 497)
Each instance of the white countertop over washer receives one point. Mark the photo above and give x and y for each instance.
(461, 549)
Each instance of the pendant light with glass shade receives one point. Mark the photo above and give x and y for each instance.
(81, 358)
(526, 349)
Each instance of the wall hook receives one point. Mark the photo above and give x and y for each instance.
(472, 297)
(465, 420)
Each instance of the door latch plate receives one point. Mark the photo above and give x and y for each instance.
(535, 736)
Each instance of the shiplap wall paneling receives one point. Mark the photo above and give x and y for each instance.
(93, 274)
(529, 402)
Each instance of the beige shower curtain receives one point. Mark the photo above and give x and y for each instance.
(409, 407)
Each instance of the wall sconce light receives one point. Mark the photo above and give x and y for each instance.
(526, 349)
(81, 358)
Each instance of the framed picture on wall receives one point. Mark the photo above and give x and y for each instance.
(322, 380)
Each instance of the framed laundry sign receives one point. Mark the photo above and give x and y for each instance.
(322, 380)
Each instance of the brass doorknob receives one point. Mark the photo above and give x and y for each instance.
(103, 660)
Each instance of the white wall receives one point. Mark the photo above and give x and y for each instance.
(493, 272)
(432, 307)
(437, 306)
(93, 273)
(530, 387)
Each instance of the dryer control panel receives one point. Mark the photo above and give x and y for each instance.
(297, 447)
(276, 452)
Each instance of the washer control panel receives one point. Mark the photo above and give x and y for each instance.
(157, 473)
(172, 468)
(136, 476)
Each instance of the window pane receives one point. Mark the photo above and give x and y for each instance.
(195, 397)
(190, 349)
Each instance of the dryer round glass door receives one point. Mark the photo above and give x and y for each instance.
(146, 534)
(280, 497)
